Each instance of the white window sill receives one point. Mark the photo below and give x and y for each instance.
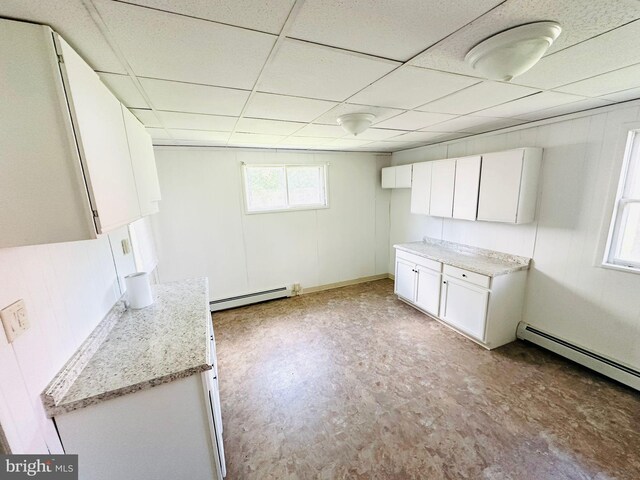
(621, 268)
(283, 210)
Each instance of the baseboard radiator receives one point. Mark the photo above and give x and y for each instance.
(249, 298)
(594, 361)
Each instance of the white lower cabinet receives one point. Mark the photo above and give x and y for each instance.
(485, 309)
(464, 306)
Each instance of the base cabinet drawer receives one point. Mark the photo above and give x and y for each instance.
(464, 306)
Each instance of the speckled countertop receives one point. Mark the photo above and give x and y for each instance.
(140, 349)
(479, 260)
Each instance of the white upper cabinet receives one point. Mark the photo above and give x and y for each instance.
(102, 140)
(467, 183)
(421, 188)
(397, 177)
(143, 163)
(442, 184)
(66, 166)
(509, 185)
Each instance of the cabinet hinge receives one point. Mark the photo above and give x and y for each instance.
(60, 59)
(95, 213)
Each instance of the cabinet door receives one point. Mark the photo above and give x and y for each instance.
(500, 186)
(428, 290)
(405, 280)
(467, 184)
(102, 141)
(442, 181)
(143, 162)
(403, 176)
(389, 177)
(464, 306)
(421, 188)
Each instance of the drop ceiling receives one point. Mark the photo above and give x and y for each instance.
(277, 73)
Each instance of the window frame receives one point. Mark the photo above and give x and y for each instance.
(610, 260)
(297, 208)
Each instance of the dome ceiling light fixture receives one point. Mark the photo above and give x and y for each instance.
(512, 52)
(355, 123)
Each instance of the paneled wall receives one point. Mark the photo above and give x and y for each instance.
(67, 289)
(568, 294)
(203, 230)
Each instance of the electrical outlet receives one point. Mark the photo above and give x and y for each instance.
(14, 319)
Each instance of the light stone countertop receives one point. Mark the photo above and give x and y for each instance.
(473, 259)
(140, 349)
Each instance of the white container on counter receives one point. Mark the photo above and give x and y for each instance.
(138, 290)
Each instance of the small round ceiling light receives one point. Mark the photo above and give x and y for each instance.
(512, 52)
(355, 123)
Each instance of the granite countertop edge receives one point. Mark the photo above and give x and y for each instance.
(504, 266)
(58, 409)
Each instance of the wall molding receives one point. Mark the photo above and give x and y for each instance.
(346, 283)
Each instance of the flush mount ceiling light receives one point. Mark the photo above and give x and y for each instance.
(514, 51)
(355, 123)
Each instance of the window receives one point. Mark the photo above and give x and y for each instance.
(623, 247)
(271, 188)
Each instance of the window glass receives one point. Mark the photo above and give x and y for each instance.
(285, 187)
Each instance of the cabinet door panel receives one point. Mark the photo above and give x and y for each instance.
(389, 177)
(467, 184)
(143, 162)
(421, 188)
(500, 186)
(103, 143)
(405, 280)
(464, 306)
(403, 176)
(442, 182)
(428, 290)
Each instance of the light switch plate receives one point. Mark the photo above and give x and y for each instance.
(14, 319)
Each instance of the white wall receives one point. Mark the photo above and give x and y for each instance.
(202, 229)
(68, 288)
(568, 293)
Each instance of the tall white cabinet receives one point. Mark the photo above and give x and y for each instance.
(68, 161)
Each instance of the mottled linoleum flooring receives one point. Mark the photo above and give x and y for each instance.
(351, 383)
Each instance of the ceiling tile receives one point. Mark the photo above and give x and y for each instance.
(586, 104)
(410, 87)
(267, 127)
(158, 133)
(529, 104)
(607, 52)
(623, 95)
(264, 15)
(348, 142)
(381, 113)
(379, 134)
(477, 97)
(623, 79)
(306, 141)
(382, 146)
(193, 121)
(240, 138)
(70, 19)
(147, 117)
(307, 70)
(414, 120)
(372, 26)
(468, 123)
(420, 136)
(219, 138)
(174, 47)
(123, 87)
(315, 130)
(282, 107)
(192, 98)
(580, 20)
